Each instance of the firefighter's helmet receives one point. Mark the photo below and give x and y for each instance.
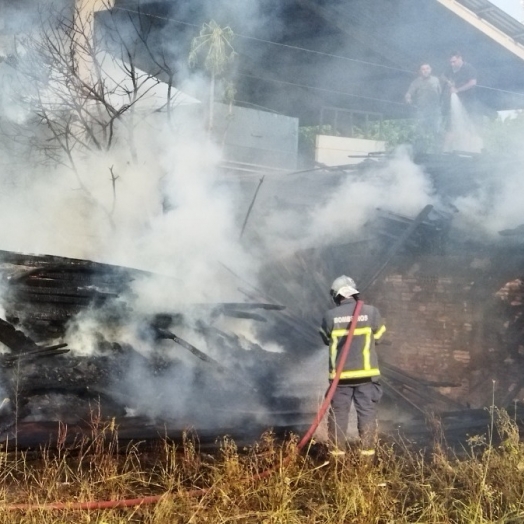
(343, 286)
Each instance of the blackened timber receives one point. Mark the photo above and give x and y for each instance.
(167, 335)
(62, 299)
(244, 310)
(70, 370)
(15, 339)
(294, 323)
(53, 351)
(77, 292)
(368, 281)
(52, 262)
(244, 315)
(44, 292)
(248, 305)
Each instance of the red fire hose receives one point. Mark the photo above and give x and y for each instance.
(125, 503)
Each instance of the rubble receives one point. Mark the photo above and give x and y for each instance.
(406, 264)
(44, 380)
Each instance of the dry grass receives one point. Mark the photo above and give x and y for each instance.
(484, 486)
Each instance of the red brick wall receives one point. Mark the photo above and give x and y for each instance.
(437, 313)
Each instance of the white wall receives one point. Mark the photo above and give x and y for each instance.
(337, 150)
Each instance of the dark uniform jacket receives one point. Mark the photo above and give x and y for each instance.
(362, 359)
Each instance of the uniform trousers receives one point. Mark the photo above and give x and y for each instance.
(366, 397)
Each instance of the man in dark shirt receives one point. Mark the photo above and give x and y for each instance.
(461, 79)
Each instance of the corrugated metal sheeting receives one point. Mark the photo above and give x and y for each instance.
(496, 17)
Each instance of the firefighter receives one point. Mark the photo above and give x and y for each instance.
(359, 381)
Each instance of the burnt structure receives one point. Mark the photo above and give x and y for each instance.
(43, 379)
(452, 304)
(454, 341)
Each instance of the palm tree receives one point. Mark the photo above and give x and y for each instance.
(214, 45)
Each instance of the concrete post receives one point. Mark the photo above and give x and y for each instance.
(85, 10)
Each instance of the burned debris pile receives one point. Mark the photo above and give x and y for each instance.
(452, 343)
(42, 293)
(158, 379)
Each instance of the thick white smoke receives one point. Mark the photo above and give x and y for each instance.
(152, 201)
(400, 186)
(493, 204)
(314, 209)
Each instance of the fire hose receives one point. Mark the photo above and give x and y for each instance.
(153, 499)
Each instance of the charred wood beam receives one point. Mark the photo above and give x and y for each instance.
(168, 335)
(302, 328)
(23, 259)
(250, 305)
(57, 291)
(241, 310)
(296, 325)
(294, 322)
(61, 299)
(63, 371)
(70, 281)
(44, 311)
(53, 263)
(244, 315)
(70, 272)
(14, 339)
(81, 391)
(52, 351)
(395, 247)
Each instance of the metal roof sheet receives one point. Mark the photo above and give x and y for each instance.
(496, 17)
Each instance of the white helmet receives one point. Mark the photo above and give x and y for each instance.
(344, 286)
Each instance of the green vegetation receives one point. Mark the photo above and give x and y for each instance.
(393, 132)
(504, 136)
(486, 485)
(500, 135)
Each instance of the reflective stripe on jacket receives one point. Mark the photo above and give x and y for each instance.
(362, 361)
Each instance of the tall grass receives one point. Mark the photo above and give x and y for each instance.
(485, 484)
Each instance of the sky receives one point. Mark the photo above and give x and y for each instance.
(512, 7)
